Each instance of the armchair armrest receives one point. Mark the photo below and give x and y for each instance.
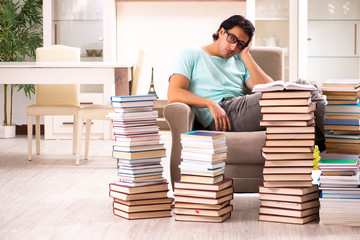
(180, 118)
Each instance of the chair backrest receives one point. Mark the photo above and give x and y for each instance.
(270, 60)
(57, 94)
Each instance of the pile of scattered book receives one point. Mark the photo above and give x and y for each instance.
(203, 194)
(141, 191)
(288, 195)
(340, 192)
(342, 115)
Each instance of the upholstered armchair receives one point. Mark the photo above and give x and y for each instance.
(244, 163)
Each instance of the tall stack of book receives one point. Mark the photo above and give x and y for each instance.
(203, 194)
(340, 192)
(342, 115)
(287, 194)
(141, 191)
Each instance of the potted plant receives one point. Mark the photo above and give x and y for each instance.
(20, 35)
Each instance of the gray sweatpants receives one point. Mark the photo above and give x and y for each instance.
(245, 112)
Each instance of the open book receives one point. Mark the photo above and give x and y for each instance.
(281, 86)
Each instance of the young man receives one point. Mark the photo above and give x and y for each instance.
(213, 79)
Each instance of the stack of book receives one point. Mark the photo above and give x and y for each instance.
(340, 192)
(141, 191)
(288, 195)
(342, 115)
(203, 194)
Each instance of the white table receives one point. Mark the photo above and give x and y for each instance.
(113, 76)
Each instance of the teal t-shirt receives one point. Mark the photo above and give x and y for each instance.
(211, 77)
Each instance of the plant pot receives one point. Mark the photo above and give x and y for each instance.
(7, 131)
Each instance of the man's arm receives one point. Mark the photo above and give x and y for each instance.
(178, 92)
(257, 75)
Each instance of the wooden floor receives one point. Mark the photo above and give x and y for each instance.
(51, 198)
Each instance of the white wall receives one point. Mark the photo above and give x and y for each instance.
(164, 28)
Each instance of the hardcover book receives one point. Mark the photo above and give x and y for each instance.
(227, 182)
(286, 94)
(290, 205)
(118, 187)
(142, 215)
(292, 191)
(203, 193)
(289, 198)
(282, 86)
(201, 206)
(209, 135)
(141, 208)
(203, 212)
(288, 212)
(285, 219)
(198, 200)
(194, 218)
(340, 82)
(289, 109)
(137, 196)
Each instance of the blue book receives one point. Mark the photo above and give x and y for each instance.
(207, 135)
(133, 98)
(342, 108)
(354, 122)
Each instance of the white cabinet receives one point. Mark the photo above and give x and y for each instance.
(275, 24)
(333, 39)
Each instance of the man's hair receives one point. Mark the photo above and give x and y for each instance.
(236, 20)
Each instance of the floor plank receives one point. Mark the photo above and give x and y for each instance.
(51, 198)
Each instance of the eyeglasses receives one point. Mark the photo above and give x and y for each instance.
(231, 38)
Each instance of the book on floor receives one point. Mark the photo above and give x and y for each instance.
(287, 116)
(227, 182)
(201, 179)
(342, 82)
(141, 208)
(194, 218)
(291, 205)
(141, 202)
(206, 135)
(287, 170)
(287, 149)
(287, 102)
(287, 177)
(201, 206)
(289, 109)
(291, 163)
(287, 156)
(199, 200)
(288, 212)
(203, 212)
(137, 196)
(287, 123)
(292, 191)
(203, 193)
(288, 130)
(286, 94)
(131, 98)
(142, 215)
(140, 154)
(275, 184)
(288, 197)
(118, 187)
(286, 219)
(289, 142)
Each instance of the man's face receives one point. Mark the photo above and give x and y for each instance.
(231, 41)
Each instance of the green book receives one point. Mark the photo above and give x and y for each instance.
(338, 161)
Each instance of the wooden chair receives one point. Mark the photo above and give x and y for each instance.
(53, 99)
(88, 113)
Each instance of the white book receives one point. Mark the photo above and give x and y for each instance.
(281, 86)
